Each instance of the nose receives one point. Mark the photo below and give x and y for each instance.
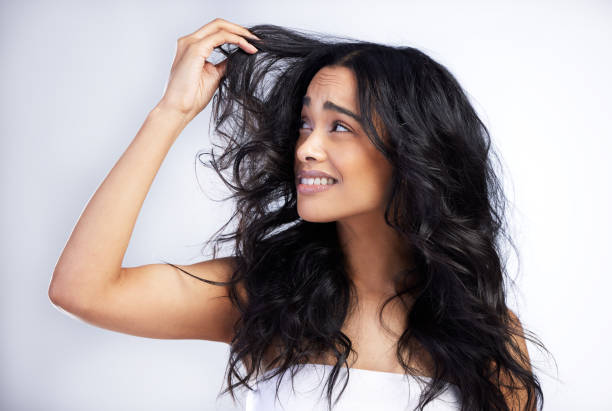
(311, 147)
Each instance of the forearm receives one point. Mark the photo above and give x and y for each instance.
(94, 253)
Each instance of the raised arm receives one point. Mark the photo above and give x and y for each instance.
(154, 300)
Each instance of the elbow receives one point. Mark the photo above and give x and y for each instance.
(56, 295)
(69, 292)
(60, 294)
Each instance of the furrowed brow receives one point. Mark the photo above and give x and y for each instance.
(328, 105)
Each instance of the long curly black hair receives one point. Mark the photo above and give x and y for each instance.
(446, 200)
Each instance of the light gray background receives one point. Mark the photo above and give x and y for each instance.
(78, 79)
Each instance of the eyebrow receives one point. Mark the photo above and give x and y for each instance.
(328, 105)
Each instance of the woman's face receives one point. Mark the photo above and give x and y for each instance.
(333, 142)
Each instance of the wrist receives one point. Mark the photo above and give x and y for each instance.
(164, 122)
(170, 114)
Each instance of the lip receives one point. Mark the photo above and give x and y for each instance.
(313, 188)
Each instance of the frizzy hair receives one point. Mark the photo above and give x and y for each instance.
(446, 200)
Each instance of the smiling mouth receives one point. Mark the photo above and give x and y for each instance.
(307, 186)
(323, 181)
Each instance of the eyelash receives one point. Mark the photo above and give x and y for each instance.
(336, 123)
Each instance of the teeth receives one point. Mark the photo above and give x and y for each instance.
(318, 181)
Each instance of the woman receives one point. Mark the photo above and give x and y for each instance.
(369, 219)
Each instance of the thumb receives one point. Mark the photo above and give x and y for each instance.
(221, 67)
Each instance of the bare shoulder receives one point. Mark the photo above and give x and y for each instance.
(516, 399)
(518, 334)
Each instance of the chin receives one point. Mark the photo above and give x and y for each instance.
(317, 217)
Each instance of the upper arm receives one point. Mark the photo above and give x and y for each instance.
(160, 301)
(517, 400)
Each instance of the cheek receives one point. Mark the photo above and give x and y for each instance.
(365, 173)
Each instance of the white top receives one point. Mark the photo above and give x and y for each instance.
(366, 390)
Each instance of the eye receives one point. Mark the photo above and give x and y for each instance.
(336, 123)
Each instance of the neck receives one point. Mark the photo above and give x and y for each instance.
(375, 254)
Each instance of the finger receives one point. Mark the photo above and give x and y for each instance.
(221, 67)
(219, 23)
(222, 37)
